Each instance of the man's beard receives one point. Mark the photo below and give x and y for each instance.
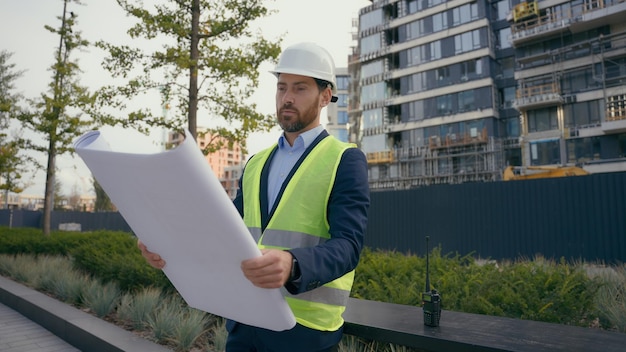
(298, 122)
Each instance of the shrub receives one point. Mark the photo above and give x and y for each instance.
(114, 256)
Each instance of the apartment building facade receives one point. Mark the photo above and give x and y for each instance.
(338, 112)
(442, 87)
(571, 82)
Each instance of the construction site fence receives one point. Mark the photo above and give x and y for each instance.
(576, 218)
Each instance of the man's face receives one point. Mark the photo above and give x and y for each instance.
(299, 102)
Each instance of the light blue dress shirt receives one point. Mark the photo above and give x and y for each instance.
(285, 158)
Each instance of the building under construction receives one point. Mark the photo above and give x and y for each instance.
(571, 82)
(455, 91)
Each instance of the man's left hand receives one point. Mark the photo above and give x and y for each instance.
(271, 270)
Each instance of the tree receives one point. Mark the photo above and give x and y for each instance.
(103, 202)
(198, 37)
(59, 201)
(12, 164)
(57, 115)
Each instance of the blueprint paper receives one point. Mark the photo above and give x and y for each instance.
(177, 207)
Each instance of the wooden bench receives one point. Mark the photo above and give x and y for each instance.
(459, 332)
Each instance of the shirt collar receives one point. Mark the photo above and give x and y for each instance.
(305, 139)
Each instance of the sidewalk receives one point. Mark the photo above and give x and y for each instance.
(19, 334)
(33, 322)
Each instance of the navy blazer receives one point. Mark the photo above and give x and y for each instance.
(347, 215)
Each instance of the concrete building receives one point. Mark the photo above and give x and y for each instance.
(571, 82)
(338, 112)
(428, 93)
(454, 91)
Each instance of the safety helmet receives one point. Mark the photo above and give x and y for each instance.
(308, 59)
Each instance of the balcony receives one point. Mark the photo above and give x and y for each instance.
(537, 96)
(538, 27)
(589, 15)
(615, 119)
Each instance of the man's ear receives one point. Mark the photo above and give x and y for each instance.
(327, 94)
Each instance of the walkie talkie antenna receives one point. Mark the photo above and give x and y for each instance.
(427, 268)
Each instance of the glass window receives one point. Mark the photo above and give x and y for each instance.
(375, 143)
(413, 6)
(413, 56)
(413, 29)
(342, 135)
(504, 8)
(417, 110)
(444, 104)
(508, 96)
(412, 84)
(513, 127)
(466, 14)
(370, 44)
(542, 119)
(435, 50)
(443, 73)
(342, 117)
(372, 118)
(373, 93)
(371, 69)
(343, 82)
(467, 41)
(545, 153)
(471, 68)
(440, 21)
(580, 150)
(371, 19)
(507, 67)
(503, 38)
(343, 100)
(466, 101)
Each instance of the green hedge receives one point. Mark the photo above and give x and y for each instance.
(540, 290)
(108, 255)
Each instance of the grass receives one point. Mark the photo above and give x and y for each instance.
(611, 296)
(101, 299)
(190, 329)
(165, 319)
(217, 336)
(137, 308)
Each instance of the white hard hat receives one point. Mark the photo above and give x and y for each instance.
(308, 59)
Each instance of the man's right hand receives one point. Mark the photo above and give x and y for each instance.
(153, 259)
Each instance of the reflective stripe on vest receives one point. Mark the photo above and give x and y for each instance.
(300, 220)
(285, 239)
(322, 294)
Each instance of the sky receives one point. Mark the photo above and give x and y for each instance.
(326, 22)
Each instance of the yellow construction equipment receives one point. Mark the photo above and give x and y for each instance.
(533, 172)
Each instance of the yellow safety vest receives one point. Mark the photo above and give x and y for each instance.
(300, 221)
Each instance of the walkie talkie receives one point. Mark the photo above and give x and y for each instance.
(431, 300)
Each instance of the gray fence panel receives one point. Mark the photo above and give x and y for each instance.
(576, 218)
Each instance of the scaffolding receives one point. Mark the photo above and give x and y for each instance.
(453, 159)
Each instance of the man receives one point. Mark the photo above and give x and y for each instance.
(305, 201)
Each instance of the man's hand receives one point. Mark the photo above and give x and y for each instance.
(270, 270)
(153, 259)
